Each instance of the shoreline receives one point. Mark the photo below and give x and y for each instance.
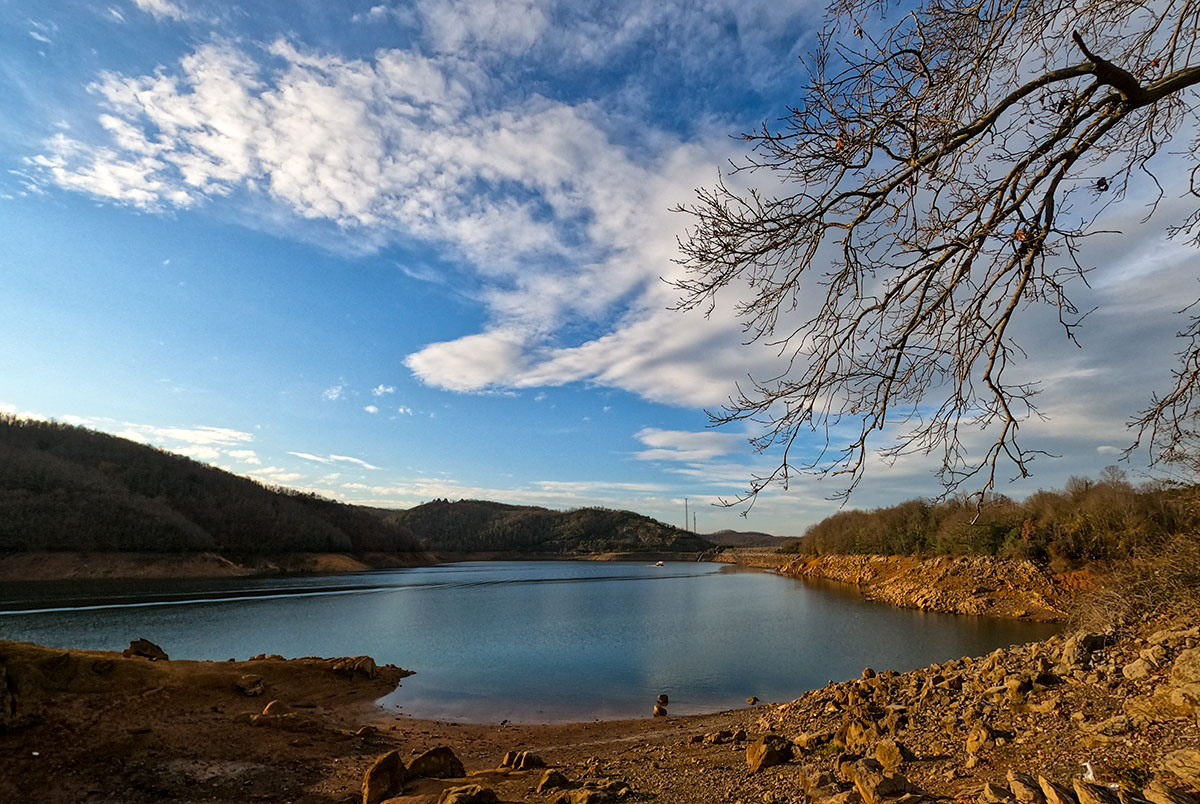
(47, 566)
(118, 730)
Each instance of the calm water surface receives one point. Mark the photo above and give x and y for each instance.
(526, 641)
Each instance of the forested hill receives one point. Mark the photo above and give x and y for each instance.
(69, 488)
(479, 526)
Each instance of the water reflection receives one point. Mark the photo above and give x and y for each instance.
(525, 640)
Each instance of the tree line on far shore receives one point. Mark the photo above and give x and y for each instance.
(68, 488)
(1107, 519)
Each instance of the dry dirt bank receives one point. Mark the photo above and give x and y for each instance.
(58, 566)
(95, 727)
(979, 585)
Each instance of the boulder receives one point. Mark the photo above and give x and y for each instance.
(719, 737)
(580, 797)
(662, 699)
(1171, 637)
(468, 794)
(980, 737)
(1158, 793)
(1091, 793)
(1156, 708)
(766, 751)
(356, 665)
(1186, 669)
(437, 763)
(808, 741)
(146, 649)
(660, 710)
(384, 778)
(526, 760)
(1137, 669)
(251, 685)
(892, 754)
(1185, 764)
(874, 783)
(552, 780)
(995, 794)
(1056, 793)
(752, 700)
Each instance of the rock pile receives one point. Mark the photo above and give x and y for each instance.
(1130, 703)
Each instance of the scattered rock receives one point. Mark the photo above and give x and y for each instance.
(356, 665)
(1186, 669)
(468, 794)
(766, 751)
(752, 700)
(1158, 793)
(384, 778)
(552, 780)
(522, 760)
(662, 699)
(1135, 670)
(892, 754)
(1090, 793)
(874, 783)
(251, 685)
(146, 649)
(1185, 764)
(994, 794)
(437, 763)
(1055, 792)
(660, 710)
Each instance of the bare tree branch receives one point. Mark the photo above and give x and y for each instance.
(923, 204)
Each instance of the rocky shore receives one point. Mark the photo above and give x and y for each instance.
(1013, 727)
(976, 585)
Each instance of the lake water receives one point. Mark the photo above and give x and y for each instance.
(525, 641)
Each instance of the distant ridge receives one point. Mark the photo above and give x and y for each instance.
(469, 526)
(746, 538)
(69, 488)
(66, 488)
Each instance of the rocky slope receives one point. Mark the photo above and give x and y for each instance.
(955, 584)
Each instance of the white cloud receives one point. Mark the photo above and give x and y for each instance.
(333, 393)
(681, 445)
(274, 475)
(380, 390)
(310, 457)
(355, 461)
(40, 37)
(116, 14)
(162, 9)
(13, 410)
(404, 410)
(246, 456)
(200, 453)
(371, 409)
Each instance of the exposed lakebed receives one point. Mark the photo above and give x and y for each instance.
(528, 641)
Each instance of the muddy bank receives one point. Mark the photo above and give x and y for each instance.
(116, 730)
(978, 585)
(59, 566)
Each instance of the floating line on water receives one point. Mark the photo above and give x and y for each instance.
(279, 593)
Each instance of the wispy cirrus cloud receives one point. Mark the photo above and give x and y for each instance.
(162, 9)
(328, 459)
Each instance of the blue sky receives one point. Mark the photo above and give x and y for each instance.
(392, 252)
